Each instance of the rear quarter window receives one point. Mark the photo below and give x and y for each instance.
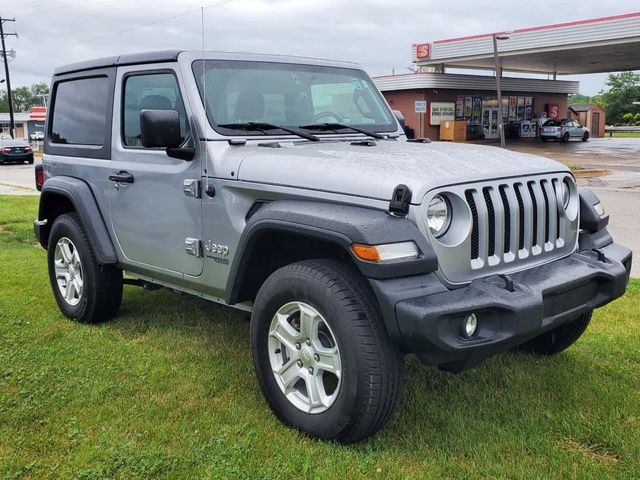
(80, 112)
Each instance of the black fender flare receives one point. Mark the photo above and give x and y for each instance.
(79, 193)
(339, 224)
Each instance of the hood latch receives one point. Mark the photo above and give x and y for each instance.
(400, 201)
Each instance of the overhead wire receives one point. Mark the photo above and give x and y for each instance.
(146, 24)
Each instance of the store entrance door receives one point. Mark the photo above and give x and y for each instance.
(490, 123)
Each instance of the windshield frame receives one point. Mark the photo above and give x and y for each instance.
(197, 66)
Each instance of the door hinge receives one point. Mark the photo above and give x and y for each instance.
(191, 188)
(193, 246)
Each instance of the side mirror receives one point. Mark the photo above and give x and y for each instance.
(400, 117)
(160, 129)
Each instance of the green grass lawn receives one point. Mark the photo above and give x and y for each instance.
(167, 390)
(625, 134)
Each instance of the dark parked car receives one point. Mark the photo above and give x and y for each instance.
(563, 130)
(15, 151)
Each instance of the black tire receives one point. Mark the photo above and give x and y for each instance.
(558, 339)
(585, 137)
(31, 162)
(373, 369)
(102, 284)
(544, 139)
(565, 137)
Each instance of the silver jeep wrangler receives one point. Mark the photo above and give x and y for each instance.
(286, 187)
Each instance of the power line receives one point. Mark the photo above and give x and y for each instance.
(29, 6)
(159, 20)
(143, 25)
(12, 125)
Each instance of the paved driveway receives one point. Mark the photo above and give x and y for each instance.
(18, 179)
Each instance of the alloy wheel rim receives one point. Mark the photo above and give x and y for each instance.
(68, 271)
(305, 358)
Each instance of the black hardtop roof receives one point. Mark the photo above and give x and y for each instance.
(119, 60)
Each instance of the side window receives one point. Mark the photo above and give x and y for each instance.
(80, 111)
(156, 91)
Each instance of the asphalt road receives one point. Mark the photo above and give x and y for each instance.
(18, 179)
(609, 166)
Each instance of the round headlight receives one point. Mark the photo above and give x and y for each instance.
(566, 193)
(438, 215)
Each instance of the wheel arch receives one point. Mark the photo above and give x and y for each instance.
(64, 194)
(285, 231)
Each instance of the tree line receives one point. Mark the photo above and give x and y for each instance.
(25, 97)
(617, 99)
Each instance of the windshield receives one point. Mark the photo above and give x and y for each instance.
(281, 94)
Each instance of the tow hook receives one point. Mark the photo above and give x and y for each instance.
(601, 256)
(508, 282)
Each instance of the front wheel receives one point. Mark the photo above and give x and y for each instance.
(84, 290)
(565, 137)
(558, 339)
(585, 137)
(322, 356)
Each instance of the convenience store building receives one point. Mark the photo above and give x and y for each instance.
(467, 103)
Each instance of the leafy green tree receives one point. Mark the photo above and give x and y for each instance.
(579, 99)
(623, 89)
(24, 97)
(627, 117)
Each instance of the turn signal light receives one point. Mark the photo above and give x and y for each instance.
(367, 253)
(387, 252)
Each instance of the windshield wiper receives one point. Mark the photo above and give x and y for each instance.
(261, 127)
(340, 126)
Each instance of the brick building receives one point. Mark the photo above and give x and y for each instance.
(472, 99)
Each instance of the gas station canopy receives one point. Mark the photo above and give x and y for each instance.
(609, 44)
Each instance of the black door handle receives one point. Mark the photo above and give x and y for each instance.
(122, 177)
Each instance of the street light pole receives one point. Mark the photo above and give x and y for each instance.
(499, 86)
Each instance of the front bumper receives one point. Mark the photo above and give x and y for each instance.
(510, 309)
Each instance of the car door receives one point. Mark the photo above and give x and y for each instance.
(574, 131)
(153, 218)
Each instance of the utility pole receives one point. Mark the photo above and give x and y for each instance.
(12, 125)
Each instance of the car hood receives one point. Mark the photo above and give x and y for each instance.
(374, 171)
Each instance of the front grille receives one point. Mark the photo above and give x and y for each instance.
(515, 220)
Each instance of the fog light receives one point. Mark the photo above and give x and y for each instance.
(470, 324)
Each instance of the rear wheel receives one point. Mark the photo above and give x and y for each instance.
(322, 356)
(84, 290)
(544, 139)
(558, 339)
(585, 137)
(565, 137)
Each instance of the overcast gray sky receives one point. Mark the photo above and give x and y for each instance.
(376, 33)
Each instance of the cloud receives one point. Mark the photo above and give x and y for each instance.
(376, 33)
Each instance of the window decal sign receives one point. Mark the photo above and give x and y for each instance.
(459, 107)
(441, 112)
